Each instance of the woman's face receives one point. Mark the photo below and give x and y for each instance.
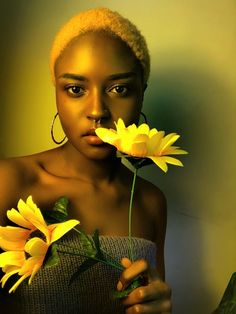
(97, 79)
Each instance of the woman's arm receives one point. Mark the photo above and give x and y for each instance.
(160, 218)
(155, 295)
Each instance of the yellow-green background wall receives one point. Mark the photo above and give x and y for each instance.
(191, 91)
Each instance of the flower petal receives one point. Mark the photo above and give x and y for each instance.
(120, 125)
(154, 143)
(143, 129)
(12, 245)
(36, 247)
(41, 227)
(159, 162)
(16, 258)
(19, 281)
(18, 219)
(167, 141)
(107, 136)
(172, 161)
(138, 149)
(13, 238)
(36, 268)
(14, 233)
(58, 230)
(132, 128)
(152, 132)
(34, 262)
(35, 209)
(141, 138)
(173, 150)
(30, 211)
(12, 270)
(125, 144)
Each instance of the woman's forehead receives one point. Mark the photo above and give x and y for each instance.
(97, 52)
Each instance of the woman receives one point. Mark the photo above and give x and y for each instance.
(100, 68)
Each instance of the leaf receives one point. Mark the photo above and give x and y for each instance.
(59, 212)
(52, 257)
(226, 308)
(61, 206)
(137, 162)
(87, 244)
(228, 303)
(124, 293)
(88, 263)
(96, 241)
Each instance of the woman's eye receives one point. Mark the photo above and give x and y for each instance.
(74, 90)
(119, 89)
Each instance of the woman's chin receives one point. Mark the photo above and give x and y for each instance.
(100, 152)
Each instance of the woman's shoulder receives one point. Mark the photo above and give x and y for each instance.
(153, 203)
(17, 169)
(17, 174)
(12, 171)
(23, 167)
(151, 195)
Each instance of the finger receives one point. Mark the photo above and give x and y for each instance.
(151, 308)
(126, 262)
(134, 270)
(156, 291)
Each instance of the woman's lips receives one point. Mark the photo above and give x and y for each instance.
(92, 139)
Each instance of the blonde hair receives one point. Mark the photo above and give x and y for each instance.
(101, 19)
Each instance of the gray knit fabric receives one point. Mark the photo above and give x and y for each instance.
(50, 291)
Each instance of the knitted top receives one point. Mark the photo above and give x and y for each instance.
(50, 291)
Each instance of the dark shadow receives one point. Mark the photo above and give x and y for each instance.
(181, 99)
(10, 21)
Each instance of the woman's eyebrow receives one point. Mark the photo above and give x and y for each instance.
(76, 77)
(111, 77)
(121, 76)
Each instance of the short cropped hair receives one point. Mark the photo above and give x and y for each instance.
(101, 19)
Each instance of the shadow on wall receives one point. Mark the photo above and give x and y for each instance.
(187, 100)
(184, 99)
(9, 23)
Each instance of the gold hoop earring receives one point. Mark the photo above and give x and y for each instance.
(52, 135)
(144, 116)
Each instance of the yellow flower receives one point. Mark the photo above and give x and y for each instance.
(29, 216)
(11, 263)
(17, 243)
(143, 142)
(15, 262)
(13, 238)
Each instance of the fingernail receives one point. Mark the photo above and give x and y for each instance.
(119, 286)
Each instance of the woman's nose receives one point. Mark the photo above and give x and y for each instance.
(97, 109)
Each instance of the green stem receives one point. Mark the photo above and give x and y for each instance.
(103, 251)
(131, 253)
(76, 230)
(119, 267)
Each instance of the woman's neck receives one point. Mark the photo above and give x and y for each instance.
(94, 171)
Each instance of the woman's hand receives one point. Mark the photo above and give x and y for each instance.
(152, 297)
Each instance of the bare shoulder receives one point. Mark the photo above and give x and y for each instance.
(16, 175)
(12, 174)
(19, 174)
(152, 197)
